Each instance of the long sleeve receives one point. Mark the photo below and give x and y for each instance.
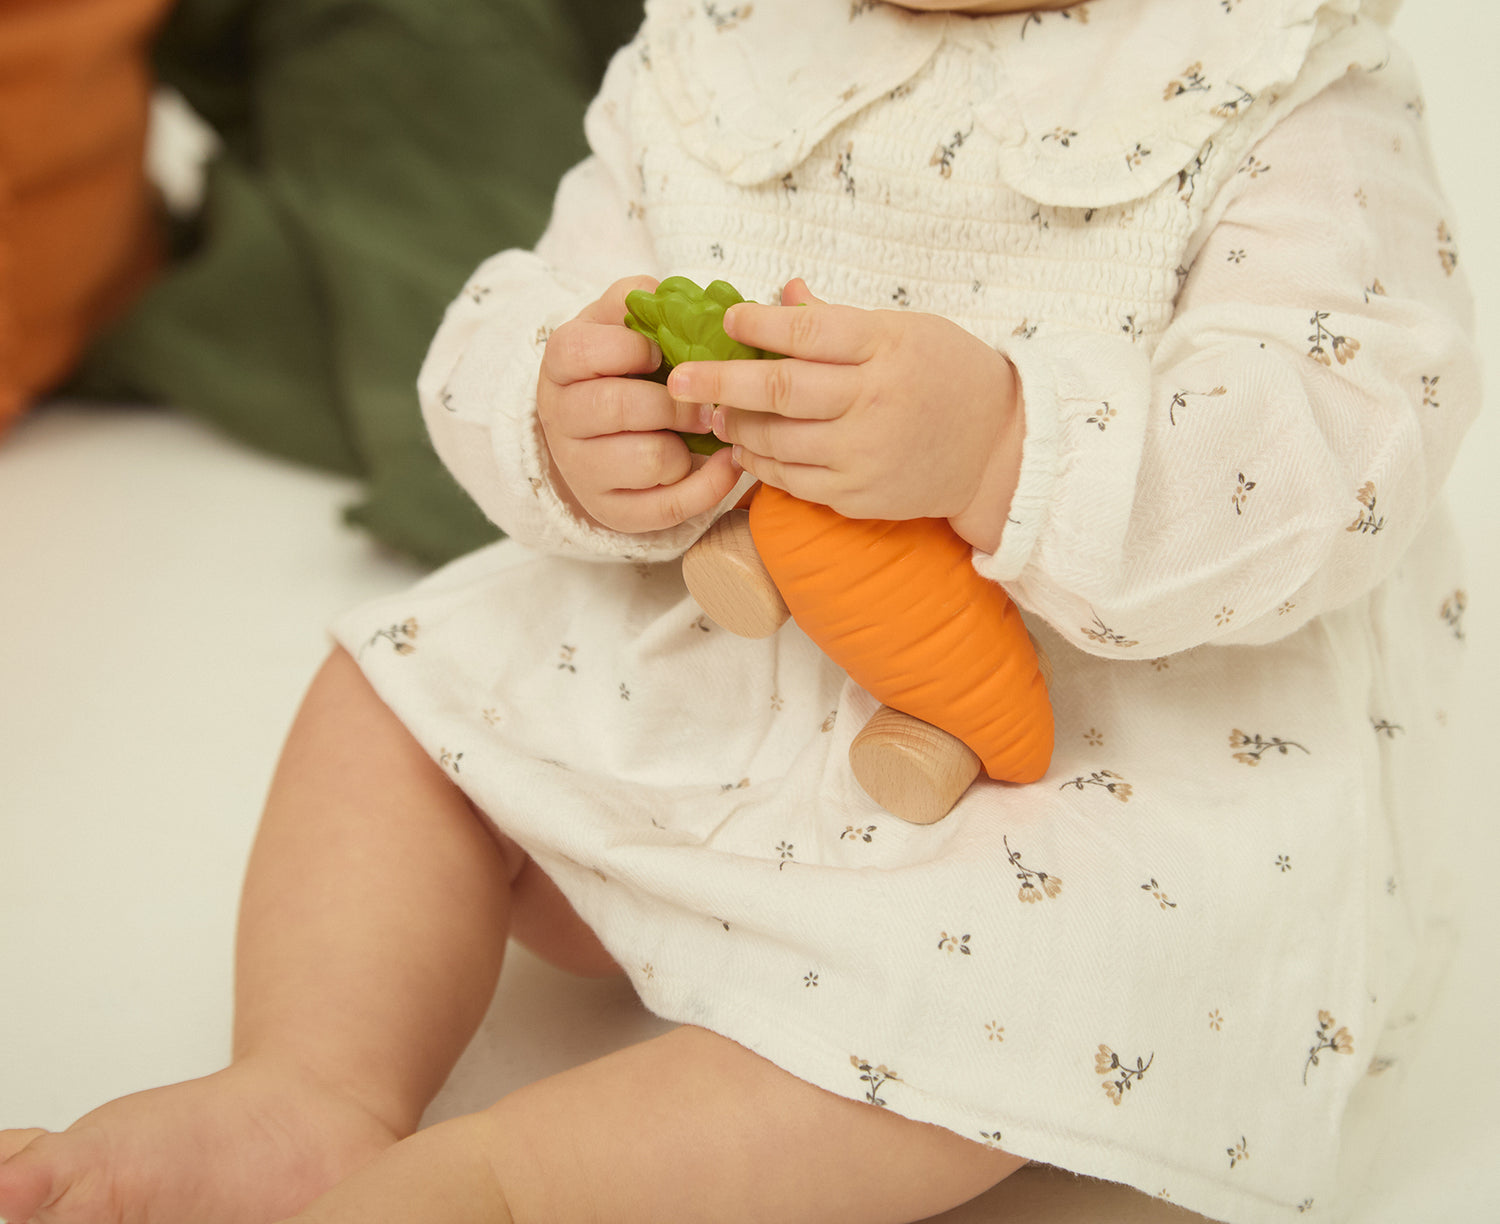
(477, 386)
(1274, 453)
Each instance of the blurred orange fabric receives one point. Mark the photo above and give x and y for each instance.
(78, 229)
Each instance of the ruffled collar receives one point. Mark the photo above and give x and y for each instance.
(1091, 106)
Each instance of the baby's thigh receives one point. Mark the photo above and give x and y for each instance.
(544, 922)
(691, 1126)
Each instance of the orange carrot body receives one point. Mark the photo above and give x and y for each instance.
(900, 607)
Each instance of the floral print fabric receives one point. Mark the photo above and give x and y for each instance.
(1183, 958)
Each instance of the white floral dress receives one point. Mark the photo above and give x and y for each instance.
(1207, 234)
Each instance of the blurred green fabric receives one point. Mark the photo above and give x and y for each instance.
(374, 152)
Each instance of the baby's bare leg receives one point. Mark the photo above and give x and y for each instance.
(372, 928)
(688, 1127)
(375, 909)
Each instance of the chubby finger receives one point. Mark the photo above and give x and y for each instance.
(811, 442)
(709, 482)
(789, 388)
(809, 329)
(583, 349)
(609, 307)
(810, 482)
(633, 461)
(604, 406)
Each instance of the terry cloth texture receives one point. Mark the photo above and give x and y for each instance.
(373, 151)
(1210, 240)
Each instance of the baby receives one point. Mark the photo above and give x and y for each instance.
(1155, 301)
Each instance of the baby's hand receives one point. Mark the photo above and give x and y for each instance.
(876, 413)
(611, 436)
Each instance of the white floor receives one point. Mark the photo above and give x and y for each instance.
(162, 597)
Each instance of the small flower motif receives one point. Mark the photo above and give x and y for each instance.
(991, 1138)
(875, 1076)
(1254, 167)
(1104, 635)
(828, 723)
(1361, 198)
(1232, 106)
(648, 971)
(1215, 1020)
(1137, 156)
(900, 297)
(1155, 890)
(785, 850)
(1452, 612)
(1285, 606)
(943, 155)
(450, 760)
(740, 785)
(778, 702)
(1374, 289)
(1180, 399)
(1429, 391)
(1093, 738)
(1241, 493)
(1103, 415)
(1240, 1151)
(1250, 748)
(1368, 522)
(1237, 255)
(1344, 347)
(843, 169)
(1447, 249)
(994, 1032)
(399, 636)
(954, 943)
(1223, 616)
(1161, 664)
(1327, 1038)
(809, 979)
(1063, 136)
(1386, 728)
(716, 252)
(477, 293)
(1131, 328)
(624, 691)
(1304, 1206)
(1025, 329)
(723, 20)
(492, 717)
(1107, 1063)
(1035, 885)
(1191, 81)
(1283, 863)
(565, 659)
(1107, 778)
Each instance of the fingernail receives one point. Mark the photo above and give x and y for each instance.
(717, 422)
(729, 317)
(736, 457)
(705, 418)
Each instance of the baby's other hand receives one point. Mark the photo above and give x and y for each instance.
(611, 435)
(877, 413)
